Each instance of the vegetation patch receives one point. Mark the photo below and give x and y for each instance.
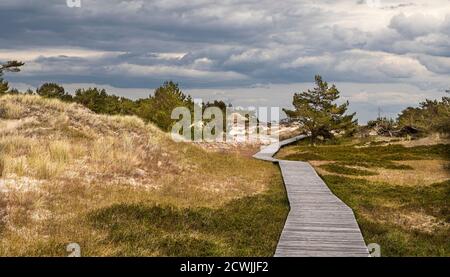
(342, 169)
(125, 188)
(232, 230)
(405, 221)
(373, 156)
(401, 203)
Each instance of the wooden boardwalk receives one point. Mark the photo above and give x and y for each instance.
(318, 223)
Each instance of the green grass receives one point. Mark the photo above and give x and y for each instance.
(341, 169)
(377, 205)
(405, 220)
(249, 226)
(373, 156)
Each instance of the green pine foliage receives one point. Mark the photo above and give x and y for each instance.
(11, 66)
(99, 101)
(52, 90)
(318, 113)
(158, 107)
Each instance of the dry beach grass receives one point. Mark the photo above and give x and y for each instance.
(69, 175)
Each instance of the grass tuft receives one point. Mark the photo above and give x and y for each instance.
(43, 167)
(11, 110)
(60, 151)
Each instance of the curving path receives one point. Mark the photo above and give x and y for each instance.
(318, 223)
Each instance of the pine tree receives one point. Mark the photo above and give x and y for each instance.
(11, 66)
(318, 113)
(53, 90)
(158, 107)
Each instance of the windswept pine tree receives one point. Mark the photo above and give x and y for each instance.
(11, 66)
(318, 113)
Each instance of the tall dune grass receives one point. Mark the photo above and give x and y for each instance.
(62, 165)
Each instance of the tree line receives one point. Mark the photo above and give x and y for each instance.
(156, 108)
(316, 110)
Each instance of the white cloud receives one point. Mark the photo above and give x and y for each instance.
(326, 60)
(362, 64)
(33, 54)
(415, 25)
(254, 56)
(165, 71)
(440, 65)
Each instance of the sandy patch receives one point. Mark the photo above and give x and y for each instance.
(413, 220)
(425, 172)
(430, 140)
(22, 184)
(11, 125)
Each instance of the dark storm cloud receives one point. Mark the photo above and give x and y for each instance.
(233, 43)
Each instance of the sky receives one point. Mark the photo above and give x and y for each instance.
(382, 55)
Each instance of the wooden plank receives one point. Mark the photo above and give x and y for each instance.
(318, 223)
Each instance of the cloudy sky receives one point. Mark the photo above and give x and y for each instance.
(381, 53)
